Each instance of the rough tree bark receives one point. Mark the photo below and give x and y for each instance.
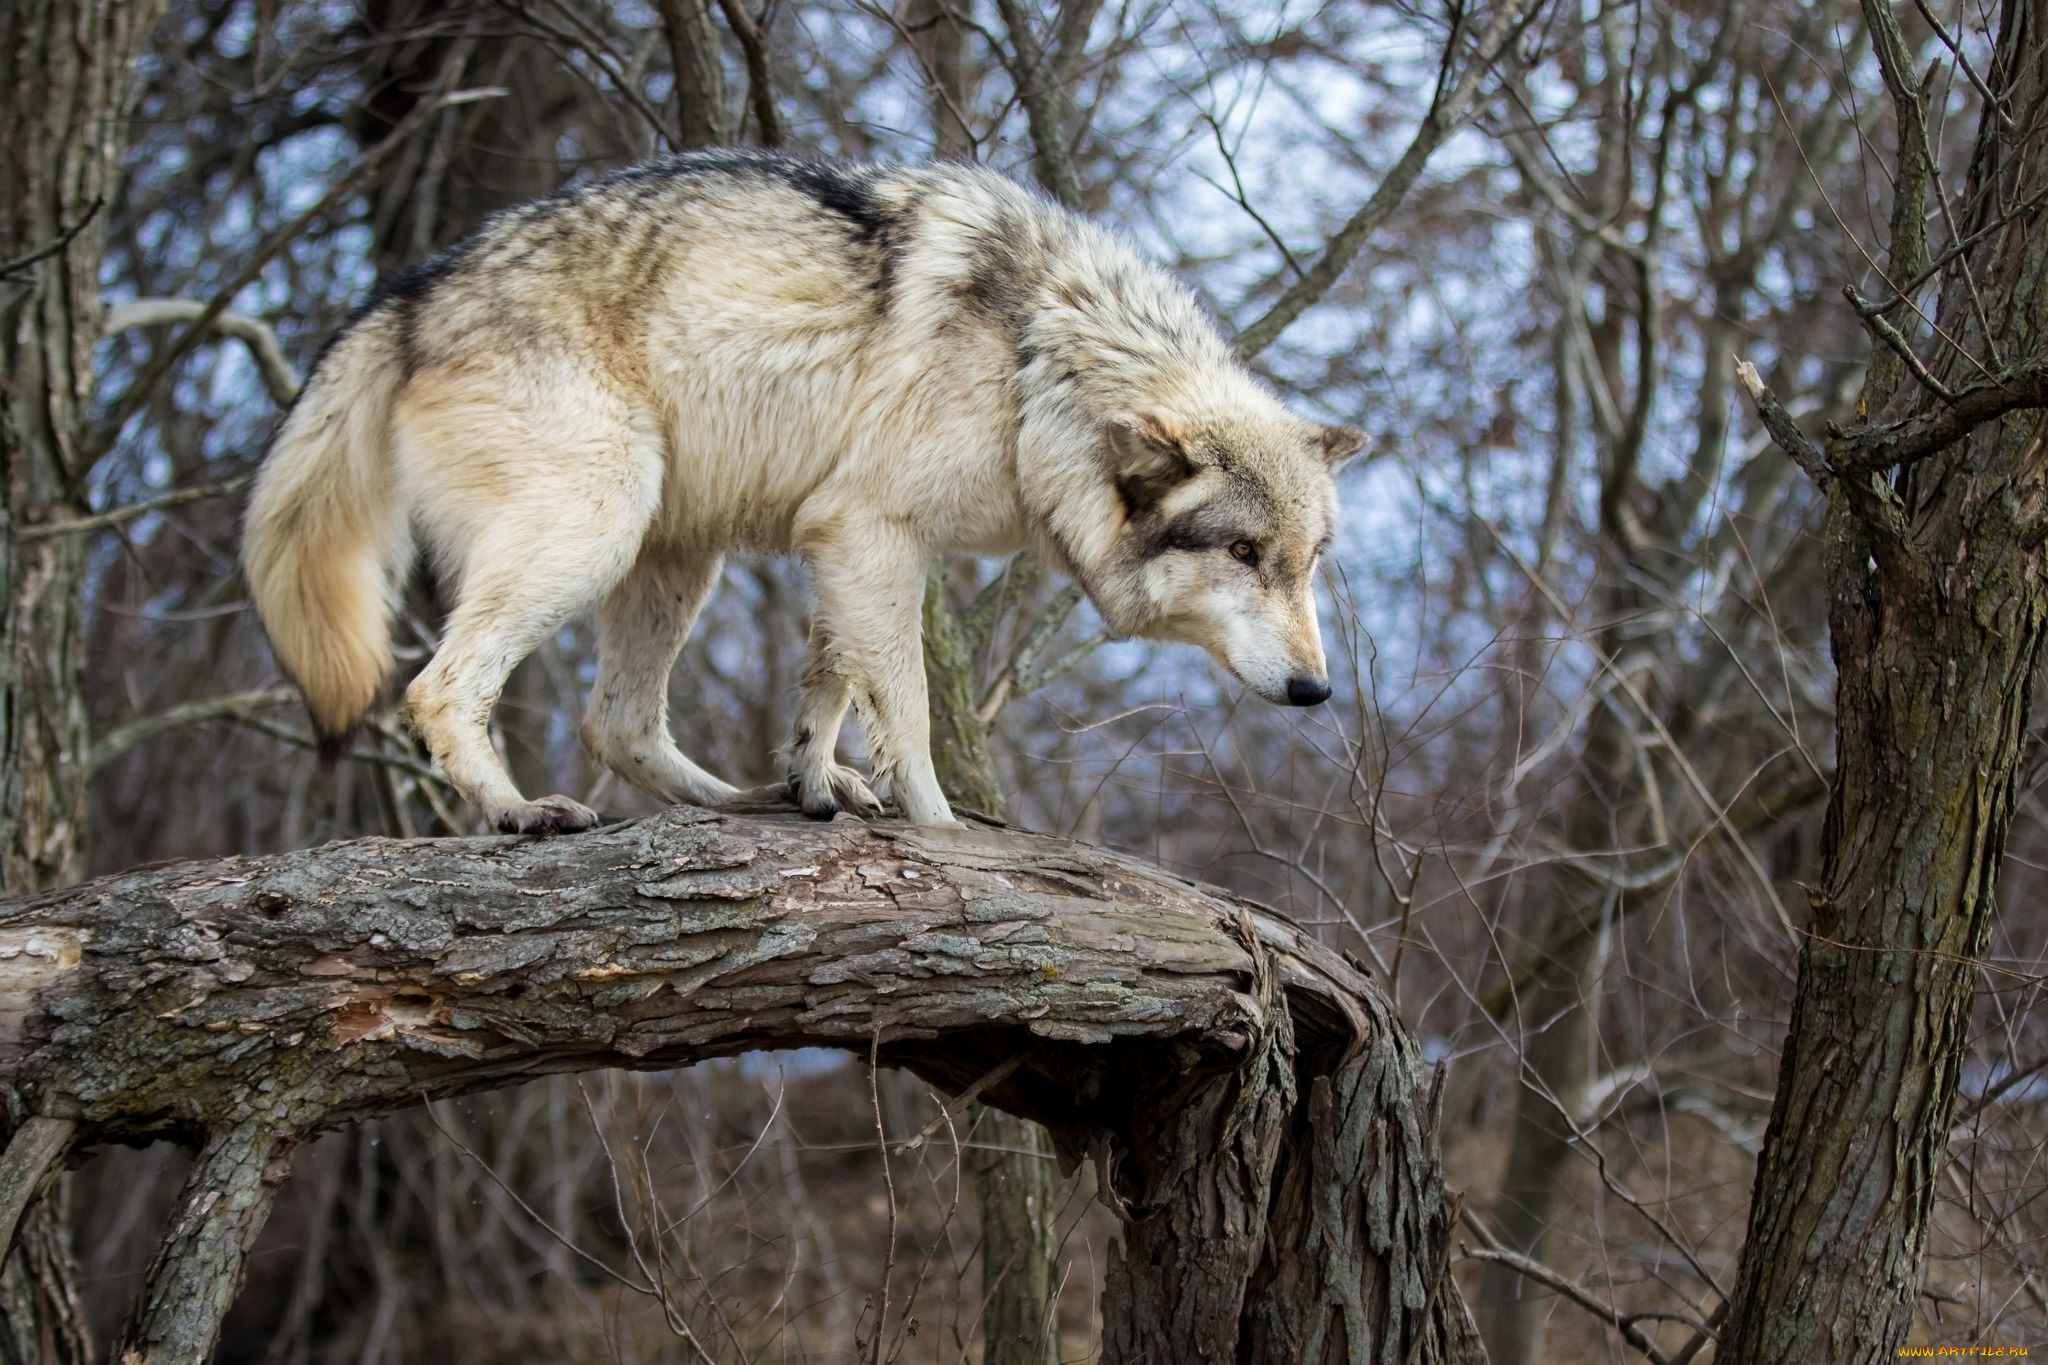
(702, 116)
(66, 82)
(65, 87)
(1013, 1175)
(1166, 1029)
(1938, 597)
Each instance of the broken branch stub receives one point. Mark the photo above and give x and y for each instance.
(245, 1004)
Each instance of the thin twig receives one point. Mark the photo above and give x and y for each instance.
(1872, 318)
(995, 1076)
(1716, 812)
(1624, 1323)
(889, 1183)
(1905, 296)
(591, 43)
(1238, 197)
(905, 1329)
(543, 1224)
(1992, 1095)
(1012, 681)
(117, 515)
(1935, 266)
(62, 240)
(1991, 101)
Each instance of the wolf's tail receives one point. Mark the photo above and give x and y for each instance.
(327, 540)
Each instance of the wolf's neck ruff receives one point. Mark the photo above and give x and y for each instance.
(595, 398)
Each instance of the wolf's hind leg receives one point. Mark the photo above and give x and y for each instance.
(492, 628)
(821, 784)
(640, 631)
(539, 515)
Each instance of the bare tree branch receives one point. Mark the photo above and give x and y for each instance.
(117, 515)
(14, 265)
(1867, 449)
(1447, 113)
(1624, 1323)
(1780, 423)
(251, 1003)
(760, 80)
(1042, 78)
(252, 332)
(1872, 318)
(33, 1155)
(233, 706)
(180, 346)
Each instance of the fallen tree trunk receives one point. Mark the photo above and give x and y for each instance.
(1255, 1108)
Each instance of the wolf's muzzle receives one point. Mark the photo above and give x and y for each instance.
(1307, 692)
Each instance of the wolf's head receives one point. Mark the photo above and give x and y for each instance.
(1227, 506)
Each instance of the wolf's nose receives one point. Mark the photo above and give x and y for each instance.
(1307, 692)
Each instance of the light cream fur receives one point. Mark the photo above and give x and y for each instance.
(605, 393)
(326, 539)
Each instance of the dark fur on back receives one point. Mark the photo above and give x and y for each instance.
(848, 193)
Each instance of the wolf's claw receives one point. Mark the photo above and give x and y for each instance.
(841, 789)
(549, 815)
(817, 802)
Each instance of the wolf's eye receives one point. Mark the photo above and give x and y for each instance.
(1244, 552)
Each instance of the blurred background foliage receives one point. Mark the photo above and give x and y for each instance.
(1562, 799)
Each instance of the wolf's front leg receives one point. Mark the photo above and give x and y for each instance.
(821, 784)
(640, 630)
(869, 583)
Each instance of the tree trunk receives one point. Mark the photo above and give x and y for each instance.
(1555, 1022)
(960, 749)
(1556, 1019)
(939, 34)
(1196, 1234)
(702, 117)
(66, 82)
(65, 66)
(1018, 1198)
(1013, 1173)
(1359, 1171)
(1937, 599)
(249, 1003)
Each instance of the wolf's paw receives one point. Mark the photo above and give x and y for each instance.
(832, 789)
(549, 815)
(750, 800)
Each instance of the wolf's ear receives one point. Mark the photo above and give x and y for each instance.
(1338, 444)
(1148, 456)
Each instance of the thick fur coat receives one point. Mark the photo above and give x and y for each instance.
(597, 397)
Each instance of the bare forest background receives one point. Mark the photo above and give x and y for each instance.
(1565, 801)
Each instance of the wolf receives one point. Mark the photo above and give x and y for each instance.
(598, 396)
